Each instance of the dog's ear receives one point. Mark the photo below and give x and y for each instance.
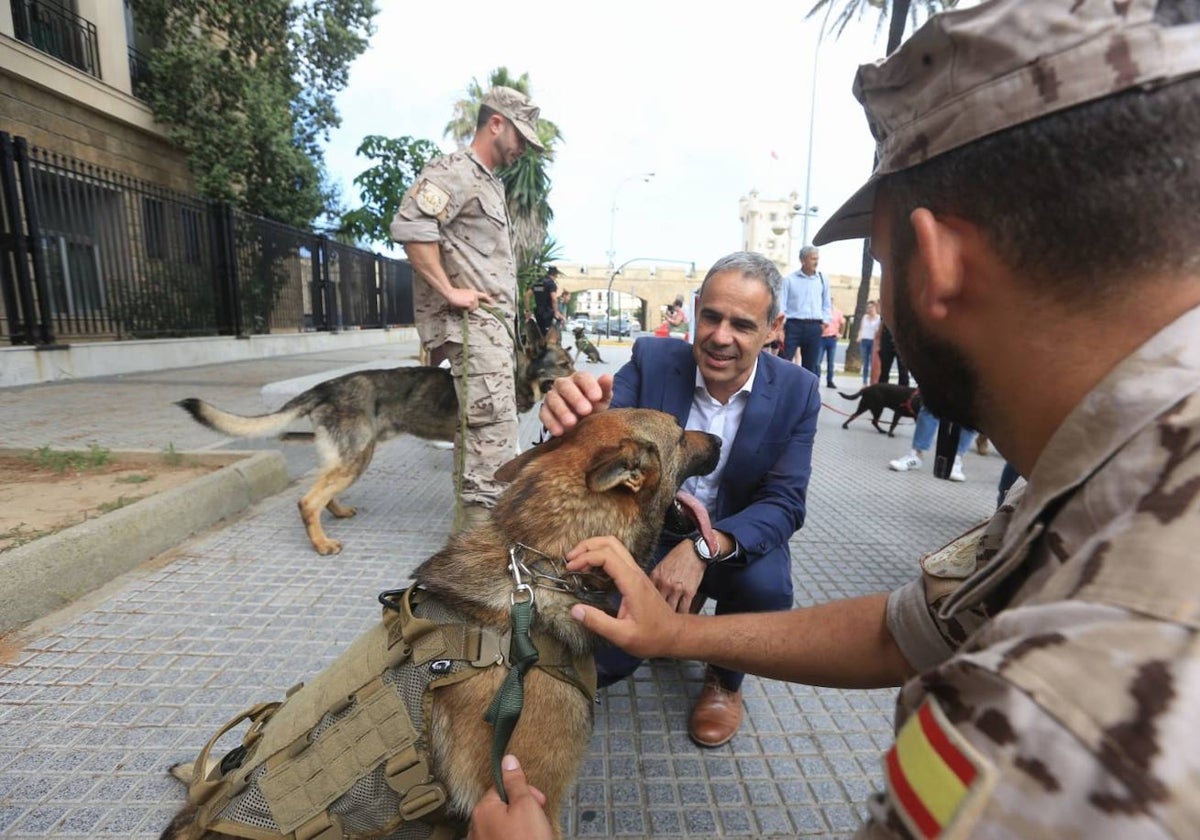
(508, 472)
(630, 464)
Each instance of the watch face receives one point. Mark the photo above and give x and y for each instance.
(702, 548)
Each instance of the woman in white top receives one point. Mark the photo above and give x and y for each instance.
(866, 339)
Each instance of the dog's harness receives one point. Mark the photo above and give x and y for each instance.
(347, 755)
(907, 405)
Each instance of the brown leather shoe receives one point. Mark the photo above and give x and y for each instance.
(717, 713)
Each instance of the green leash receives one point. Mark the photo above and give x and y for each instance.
(506, 706)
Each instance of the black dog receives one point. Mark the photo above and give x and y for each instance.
(902, 400)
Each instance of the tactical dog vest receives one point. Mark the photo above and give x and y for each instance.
(347, 754)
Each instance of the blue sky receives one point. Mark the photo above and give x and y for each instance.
(702, 98)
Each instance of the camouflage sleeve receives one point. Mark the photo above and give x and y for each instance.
(1058, 727)
(924, 636)
(429, 203)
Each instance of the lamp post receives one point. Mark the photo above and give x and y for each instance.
(613, 276)
(809, 210)
(612, 213)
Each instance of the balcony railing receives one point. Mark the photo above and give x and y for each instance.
(139, 74)
(57, 31)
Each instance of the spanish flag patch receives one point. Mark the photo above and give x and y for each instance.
(936, 781)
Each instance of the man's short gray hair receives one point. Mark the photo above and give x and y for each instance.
(808, 249)
(752, 265)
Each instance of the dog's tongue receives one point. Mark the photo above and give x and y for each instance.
(700, 516)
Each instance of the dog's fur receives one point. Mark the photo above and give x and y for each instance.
(616, 473)
(901, 399)
(350, 414)
(584, 346)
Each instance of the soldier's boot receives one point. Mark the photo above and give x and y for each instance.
(471, 516)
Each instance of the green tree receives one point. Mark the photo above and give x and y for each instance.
(398, 162)
(896, 14)
(246, 88)
(527, 181)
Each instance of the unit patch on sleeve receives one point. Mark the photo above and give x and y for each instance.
(431, 199)
(936, 781)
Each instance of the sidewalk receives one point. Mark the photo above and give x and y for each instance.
(97, 700)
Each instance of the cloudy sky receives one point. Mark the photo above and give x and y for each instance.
(715, 102)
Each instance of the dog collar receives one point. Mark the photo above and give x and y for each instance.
(526, 572)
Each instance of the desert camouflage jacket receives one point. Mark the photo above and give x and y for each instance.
(459, 202)
(1060, 687)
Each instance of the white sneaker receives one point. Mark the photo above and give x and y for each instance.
(908, 462)
(956, 473)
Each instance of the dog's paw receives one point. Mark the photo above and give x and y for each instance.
(326, 547)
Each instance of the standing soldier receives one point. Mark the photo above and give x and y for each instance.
(454, 226)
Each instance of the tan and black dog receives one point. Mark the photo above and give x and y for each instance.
(584, 346)
(616, 473)
(901, 399)
(350, 414)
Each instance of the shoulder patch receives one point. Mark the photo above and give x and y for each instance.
(936, 781)
(956, 559)
(431, 199)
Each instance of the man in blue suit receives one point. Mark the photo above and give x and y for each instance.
(765, 412)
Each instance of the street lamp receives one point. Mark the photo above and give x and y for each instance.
(613, 276)
(612, 213)
(809, 210)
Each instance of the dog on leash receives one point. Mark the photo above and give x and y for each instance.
(350, 414)
(901, 399)
(616, 473)
(584, 346)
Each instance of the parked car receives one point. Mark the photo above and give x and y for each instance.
(586, 323)
(620, 326)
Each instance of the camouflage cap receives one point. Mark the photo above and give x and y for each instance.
(968, 73)
(519, 108)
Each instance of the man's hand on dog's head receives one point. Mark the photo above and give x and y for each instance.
(572, 397)
(645, 624)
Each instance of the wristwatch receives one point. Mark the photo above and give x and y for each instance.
(701, 547)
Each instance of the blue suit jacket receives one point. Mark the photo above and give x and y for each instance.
(761, 498)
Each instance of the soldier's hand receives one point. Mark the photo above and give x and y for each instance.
(522, 816)
(468, 299)
(572, 397)
(645, 625)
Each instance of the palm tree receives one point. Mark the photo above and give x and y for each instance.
(526, 182)
(896, 14)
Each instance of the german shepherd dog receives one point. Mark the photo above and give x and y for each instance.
(901, 399)
(582, 345)
(616, 473)
(350, 414)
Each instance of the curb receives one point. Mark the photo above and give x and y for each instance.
(51, 572)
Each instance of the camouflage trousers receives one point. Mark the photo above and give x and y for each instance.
(491, 438)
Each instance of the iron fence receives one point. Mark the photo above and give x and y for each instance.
(90, 254)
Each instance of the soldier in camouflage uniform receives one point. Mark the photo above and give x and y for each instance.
(454, 226)
(1033, 156)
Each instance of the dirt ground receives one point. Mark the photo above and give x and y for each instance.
(37, 500)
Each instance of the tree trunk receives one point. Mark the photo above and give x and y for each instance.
(896, 24)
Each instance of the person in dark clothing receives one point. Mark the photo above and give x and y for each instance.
(887, 354)
(545, 301)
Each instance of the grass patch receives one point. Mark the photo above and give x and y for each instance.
(118, 503)
(133, 479)
(60, 461)
(171, 456)
(22, 534)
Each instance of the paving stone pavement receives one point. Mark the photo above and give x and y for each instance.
(98, 700)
